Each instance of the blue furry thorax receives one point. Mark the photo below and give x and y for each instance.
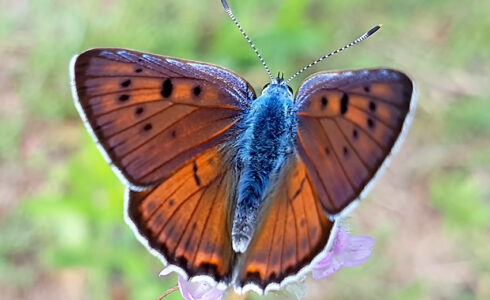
(269, 129)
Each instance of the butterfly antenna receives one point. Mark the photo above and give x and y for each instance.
(232, 16)
(359, 39)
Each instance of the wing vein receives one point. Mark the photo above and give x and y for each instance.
(272, 242)
(376, 117)
(117, 91)
(330, 199)
(207, 219)
(366, 132)
(295, 228)
(180, 206)
(142, 121)
(286, 200)
(400, 107)
(158, 134)
(187, 149)
(190, 219)
(165, 200)
(350, 144)
(336, 156)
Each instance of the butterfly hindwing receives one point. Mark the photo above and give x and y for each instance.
(151, 114)
(348, 125)
(293, 231)
(186, 218)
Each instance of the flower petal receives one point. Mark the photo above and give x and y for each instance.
(347, 251)
(199, 290)
(341, 241)
(358, 251)
(326, 270)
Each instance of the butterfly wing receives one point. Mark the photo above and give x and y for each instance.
(348, 126)
(294, 231)
(151, 114)
(185, 219)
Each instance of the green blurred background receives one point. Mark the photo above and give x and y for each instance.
(62, 234)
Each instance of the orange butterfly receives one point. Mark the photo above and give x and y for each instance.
(223, 185)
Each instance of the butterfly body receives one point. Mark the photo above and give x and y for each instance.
(263, 148)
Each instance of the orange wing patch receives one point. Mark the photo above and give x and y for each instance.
(294, 231)
(186, 217)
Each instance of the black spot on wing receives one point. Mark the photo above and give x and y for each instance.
(370, 123)
(372, 106)
(140, 110)
(355, 134)
(197, 179)
(324, 102)
(167, 88)
(197, 91)
(299, 189)
(147, 127)
(124, 98)
(126, 83)
(344, 104)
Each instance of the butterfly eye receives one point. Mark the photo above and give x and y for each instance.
(290, 89)
(265, 86)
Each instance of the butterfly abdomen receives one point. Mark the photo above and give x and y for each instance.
(262, 151)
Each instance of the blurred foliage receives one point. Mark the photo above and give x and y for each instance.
(72, 219)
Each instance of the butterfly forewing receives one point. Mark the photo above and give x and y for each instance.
(152, 114)
(348, 125)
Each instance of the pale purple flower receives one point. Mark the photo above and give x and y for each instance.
(195, 289)
(199, 290)
(347, 251)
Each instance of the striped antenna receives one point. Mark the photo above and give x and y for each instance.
(359, 39)
(232, 16)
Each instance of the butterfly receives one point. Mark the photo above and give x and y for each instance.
(241, 190)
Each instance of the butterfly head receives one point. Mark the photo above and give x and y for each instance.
(278, 86)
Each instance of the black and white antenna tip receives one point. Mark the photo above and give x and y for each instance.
(371, 31)
(225, 4)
